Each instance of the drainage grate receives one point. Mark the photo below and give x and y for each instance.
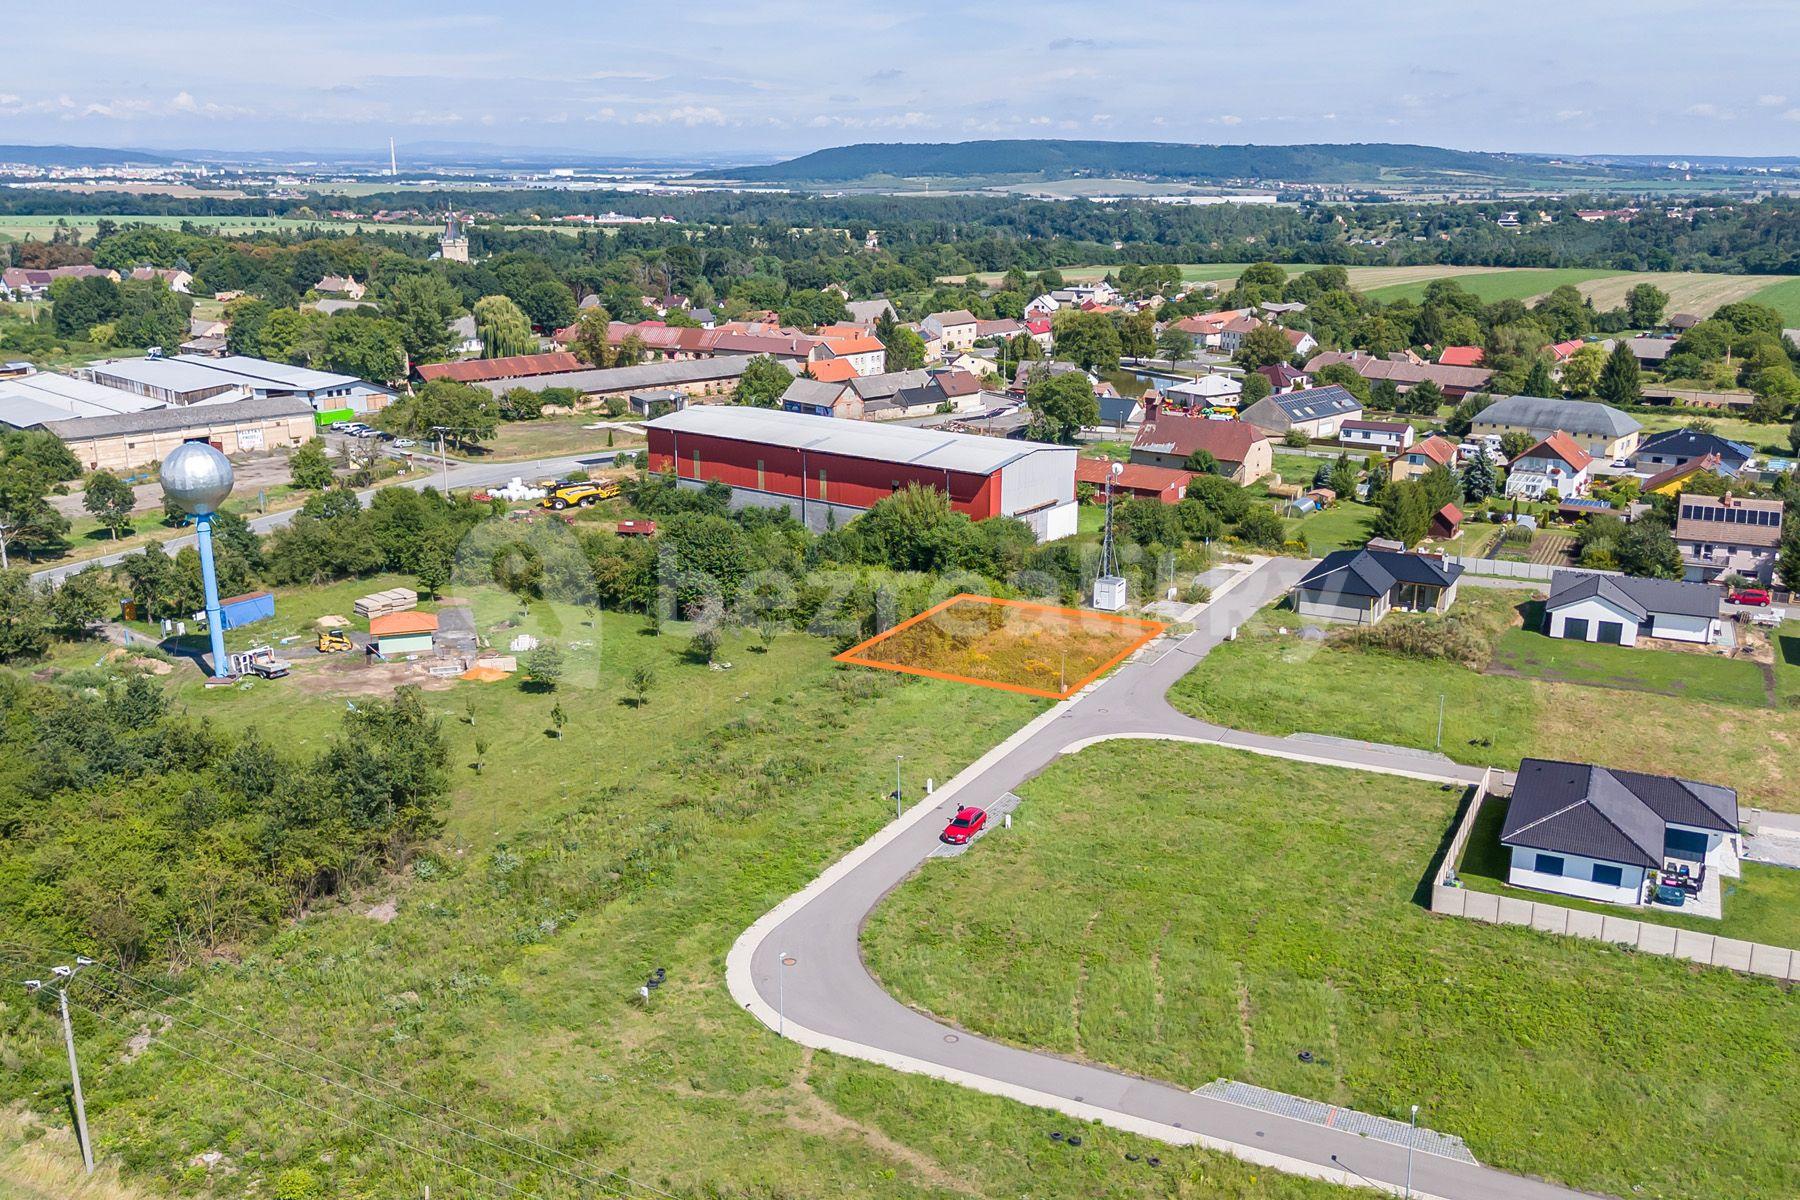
(1426, 1141)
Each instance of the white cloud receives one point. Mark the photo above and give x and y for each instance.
(1231, 119)
(1770, 100)
(1710, 112)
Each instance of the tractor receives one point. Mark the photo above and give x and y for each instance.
(585, 493)
(334, 641)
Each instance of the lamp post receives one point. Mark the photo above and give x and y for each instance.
(198, 478)
(1414, 1120)
(63, 976)
(898, 759)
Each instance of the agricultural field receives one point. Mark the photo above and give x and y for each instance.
(40, 228)
(1033, 649)
(1697, 292)
(1275, 683)
(1192, 912)
(1762, 906)
(498, 974)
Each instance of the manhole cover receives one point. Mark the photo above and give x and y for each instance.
(951, 1037)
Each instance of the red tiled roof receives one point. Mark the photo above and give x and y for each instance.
(1461, 356)
(1438, 450)
(832, 370)
(403, 622)
(1134, 477)
(518, 366)
(1452, 514)
(957, 383)
(1560, 445)
(1561, 350)
(857, 343)
(1226, 441)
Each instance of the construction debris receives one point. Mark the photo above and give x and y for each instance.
(381, 604)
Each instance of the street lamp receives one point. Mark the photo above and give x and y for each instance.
(898, 759)
(786, 960)
(63, 976)
(1409, 1149)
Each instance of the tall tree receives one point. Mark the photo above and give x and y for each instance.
(109, 500)
(503, 328)
(309, 467)
(1644, 305)
(763, 382)
(1620, 381)
(1538, 381)
(423, 306)
(1061, 405)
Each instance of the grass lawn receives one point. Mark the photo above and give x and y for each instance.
(1787, 664)
(1271, 683)
(1334, 528)
(547, 437)
(1670, 672)
(505, 984)
(1498, 283)
(1298, 468)
(1763, 906)
(1783, 297)
(1190, 912)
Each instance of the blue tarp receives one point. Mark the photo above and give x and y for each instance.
(246, 609)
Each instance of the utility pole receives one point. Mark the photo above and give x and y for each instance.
(63, 976)
(7, 525)
(1440, 734)
(443, 455)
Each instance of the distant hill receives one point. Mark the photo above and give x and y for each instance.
(79, 156)
(1358, 163)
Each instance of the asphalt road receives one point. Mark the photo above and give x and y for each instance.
(825, 997)
(459, 476)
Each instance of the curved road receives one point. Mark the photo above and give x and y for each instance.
(826, 997)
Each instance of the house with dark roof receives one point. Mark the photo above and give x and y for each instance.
(1613, 835)
(1359, 587)
(1168, 440)
(1284, 377)
(816, 398)
(1406, 373)
(1619, 609)
(1600, 429)
(1317, 412)
(1389, 437)
(1678, 447)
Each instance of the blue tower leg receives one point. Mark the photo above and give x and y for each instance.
(215, 619)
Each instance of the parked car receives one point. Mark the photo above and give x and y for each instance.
(404, 443)
(1755, 597)
(964, 825)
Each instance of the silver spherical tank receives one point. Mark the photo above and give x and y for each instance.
(196, 477)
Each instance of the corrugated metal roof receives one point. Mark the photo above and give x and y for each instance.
(854, 439)
(191, 416)
(615, 379)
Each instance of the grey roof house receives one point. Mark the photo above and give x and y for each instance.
(1612, 835)
(1600, 429)
(1359, 587)
(1619, 609)
(1317, 412)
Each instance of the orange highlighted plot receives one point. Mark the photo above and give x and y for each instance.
(1014, 645)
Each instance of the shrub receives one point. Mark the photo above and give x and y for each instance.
(1453, 637)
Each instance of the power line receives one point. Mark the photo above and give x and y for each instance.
(354, 1091)
(616, 1176)
(302, 1101)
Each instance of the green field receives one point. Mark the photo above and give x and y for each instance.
(1531, 653)
(1190, 913)
(504, 984)
(1343, 525)
(1489, 285)
(1783, 297)
(1762, 906)
(1279, 684)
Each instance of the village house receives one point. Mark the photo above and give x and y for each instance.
(1555, 464)
(1389, 437)
(1361, 586)
(1317, 412)
(1422, 458)
(1169, 440)
(1728, 535)
(955, 330)
(817, 399)
(1618, 609)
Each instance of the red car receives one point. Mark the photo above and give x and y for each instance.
(1755, 597)
(964, 825)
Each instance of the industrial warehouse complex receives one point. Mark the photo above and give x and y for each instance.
(823, 470)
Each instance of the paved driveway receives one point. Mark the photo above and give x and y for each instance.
(828, 999)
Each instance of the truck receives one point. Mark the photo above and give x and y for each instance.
(259, 661)
(584, 493)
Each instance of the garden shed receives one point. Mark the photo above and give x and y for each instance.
(402, 633)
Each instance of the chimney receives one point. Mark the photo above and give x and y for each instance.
(1152, 405)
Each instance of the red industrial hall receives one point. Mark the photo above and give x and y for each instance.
(817, 466)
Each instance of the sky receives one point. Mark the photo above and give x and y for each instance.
(775, 77)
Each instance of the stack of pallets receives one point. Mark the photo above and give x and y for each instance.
(381, 604)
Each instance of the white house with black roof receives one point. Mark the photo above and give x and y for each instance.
(1317, 412)
(1359, 587)
(1619, 609)
(1679, 447)
(1611, 835)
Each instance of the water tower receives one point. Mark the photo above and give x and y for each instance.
(198, 478)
